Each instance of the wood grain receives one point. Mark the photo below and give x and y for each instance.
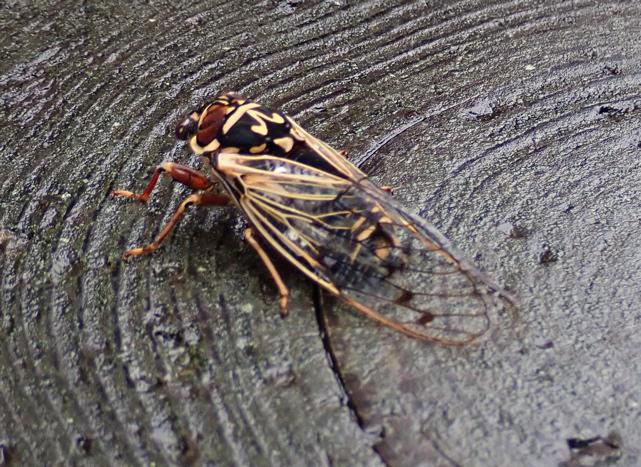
(512, 126)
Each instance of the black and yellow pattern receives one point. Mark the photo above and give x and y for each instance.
(324, 216)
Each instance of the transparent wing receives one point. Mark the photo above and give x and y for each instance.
(415, 282)
(357, 242)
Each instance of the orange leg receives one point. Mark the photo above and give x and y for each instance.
(282, 288)
(181, 173)
(200, 199)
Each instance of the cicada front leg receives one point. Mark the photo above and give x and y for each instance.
(181, 173)
(282, 288)
(187, 176)
(199, 199)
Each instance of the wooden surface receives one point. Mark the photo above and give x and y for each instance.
(512, 126)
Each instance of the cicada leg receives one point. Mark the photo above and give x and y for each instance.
(199, 199)
(282, 288)
(181, 173)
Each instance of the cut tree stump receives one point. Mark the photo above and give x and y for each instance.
(514, 127)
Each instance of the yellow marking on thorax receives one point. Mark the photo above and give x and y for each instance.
(237, 115)
(195, 147)
(211, 147)
(200, 150)
(261, 127)
(285, 143)
(258, 149)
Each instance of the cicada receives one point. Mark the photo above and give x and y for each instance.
(306, 202)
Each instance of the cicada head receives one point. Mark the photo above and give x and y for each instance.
(204, 127)
(233, 124)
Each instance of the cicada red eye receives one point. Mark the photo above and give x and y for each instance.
(188, 127)
(210, 123)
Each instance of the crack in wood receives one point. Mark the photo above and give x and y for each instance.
(335, 369)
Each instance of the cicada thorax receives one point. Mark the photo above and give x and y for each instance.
(232, 124)
(253, 129)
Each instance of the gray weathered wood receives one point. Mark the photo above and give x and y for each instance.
(512, 126)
